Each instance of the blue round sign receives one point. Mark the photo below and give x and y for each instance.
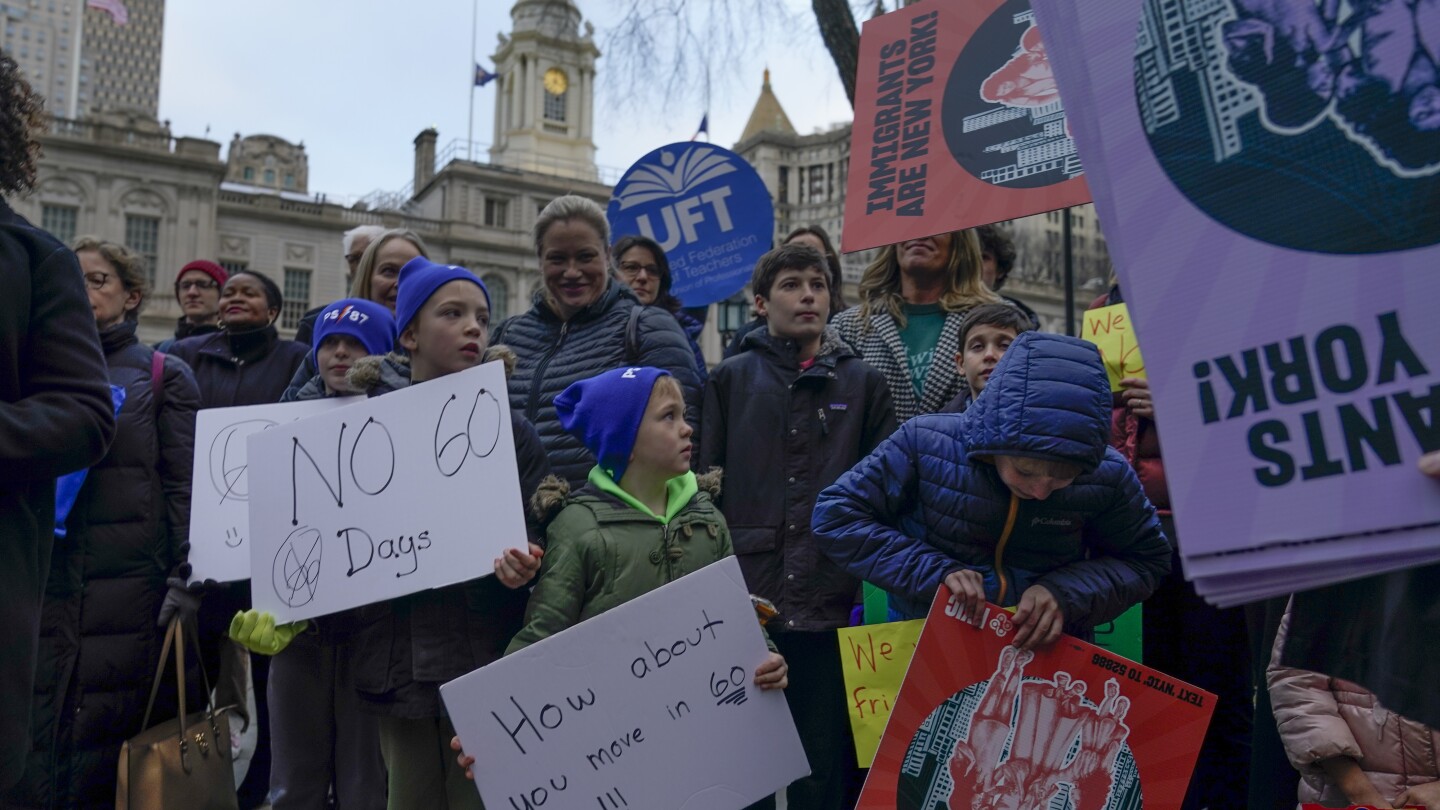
(706, 207)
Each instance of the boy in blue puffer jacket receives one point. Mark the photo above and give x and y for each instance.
(1019, 501)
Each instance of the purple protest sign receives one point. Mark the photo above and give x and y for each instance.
(1270, 191)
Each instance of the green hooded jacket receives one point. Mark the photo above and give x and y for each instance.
(604, 548)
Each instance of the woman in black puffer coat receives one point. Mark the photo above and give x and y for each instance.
(126, 534)
(581, 324)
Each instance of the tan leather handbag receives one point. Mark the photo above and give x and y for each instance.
(184, 763)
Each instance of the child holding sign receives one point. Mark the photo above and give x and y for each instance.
(403, 649)
(641, 521)
(790, 412)
(1018, 501)
(319, 736)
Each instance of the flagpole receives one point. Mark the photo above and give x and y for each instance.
(470, 133)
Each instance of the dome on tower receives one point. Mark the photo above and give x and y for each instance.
(552, 18)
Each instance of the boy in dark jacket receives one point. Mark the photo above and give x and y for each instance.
(1019, 501)
(787, 415)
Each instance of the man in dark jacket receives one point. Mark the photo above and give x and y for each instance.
(786, 417)
(56, 415)
(1017, 501)
(197, 289)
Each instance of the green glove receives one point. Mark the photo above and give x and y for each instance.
(257, 631)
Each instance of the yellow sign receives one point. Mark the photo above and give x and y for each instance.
(874, 659)
(1109, 328)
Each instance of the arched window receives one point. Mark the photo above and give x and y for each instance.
(499, 298)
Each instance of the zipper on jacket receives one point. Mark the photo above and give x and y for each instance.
(1000, 548)
(824, 427)
(532, 408)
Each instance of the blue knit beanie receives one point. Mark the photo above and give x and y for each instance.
(419, 279)
(604, 412)
(366, 321)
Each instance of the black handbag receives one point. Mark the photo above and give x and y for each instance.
(180, 764)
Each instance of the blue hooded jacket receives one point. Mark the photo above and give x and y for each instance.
(929, 501)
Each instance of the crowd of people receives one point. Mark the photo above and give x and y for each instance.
(913, 441)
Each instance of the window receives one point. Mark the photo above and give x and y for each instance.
(233, 266)
(297, 297)
(289, 180)
(58, 221)
(555, 106)
(142, 235)
(269, 177)
(496, 212)
(249, 173)
(499, 298)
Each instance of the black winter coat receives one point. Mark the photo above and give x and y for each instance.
(127, 532)
(783, 435)
(56, 416)
(185, 329)
(404, 648)
(247, 368)
(553, 353)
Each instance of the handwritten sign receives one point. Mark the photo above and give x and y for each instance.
(220, 486)
(412, 490)
(649, 705)
(873, 659)
(977, 717)
(1109, 328)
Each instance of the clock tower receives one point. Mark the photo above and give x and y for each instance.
(544, 105)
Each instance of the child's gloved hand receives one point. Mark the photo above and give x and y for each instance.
(774, 673)
(516, 568)
(464, 760)
(257, 632)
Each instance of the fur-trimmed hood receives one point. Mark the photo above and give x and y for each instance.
(380, 374)
(554, 493)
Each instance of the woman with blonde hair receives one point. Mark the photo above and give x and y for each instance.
(913, 297)
(377, 278)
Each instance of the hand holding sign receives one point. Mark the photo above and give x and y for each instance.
(1110, 329)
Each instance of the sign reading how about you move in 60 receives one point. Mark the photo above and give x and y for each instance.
(650, 705)
(220, 487)
(413, 490)
(706, 207)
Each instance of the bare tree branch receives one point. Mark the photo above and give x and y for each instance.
(842, 39)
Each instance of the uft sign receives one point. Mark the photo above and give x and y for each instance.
(706, 207)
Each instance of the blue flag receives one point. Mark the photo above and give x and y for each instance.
(704, 127)
(483, 76)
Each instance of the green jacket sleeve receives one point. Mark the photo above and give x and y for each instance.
(559, 594)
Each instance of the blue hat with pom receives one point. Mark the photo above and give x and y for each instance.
(419, 279)
(366, 321)
(604, 413)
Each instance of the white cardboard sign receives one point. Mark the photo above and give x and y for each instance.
(649, 705)
(220, 483)
(397, 494)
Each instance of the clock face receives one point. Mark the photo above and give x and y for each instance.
(555, 81)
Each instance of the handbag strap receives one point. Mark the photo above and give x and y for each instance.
(175, 634)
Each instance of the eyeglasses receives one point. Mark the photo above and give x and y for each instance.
(632, 269)
(97, 281)
(197, 284)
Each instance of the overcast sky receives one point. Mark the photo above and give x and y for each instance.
(356, 80)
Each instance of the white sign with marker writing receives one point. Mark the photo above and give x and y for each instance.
(652, 704)
(220, 484)
(397, 494)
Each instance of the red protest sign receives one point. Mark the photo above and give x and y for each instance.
(958, 123)
(1069, 726)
